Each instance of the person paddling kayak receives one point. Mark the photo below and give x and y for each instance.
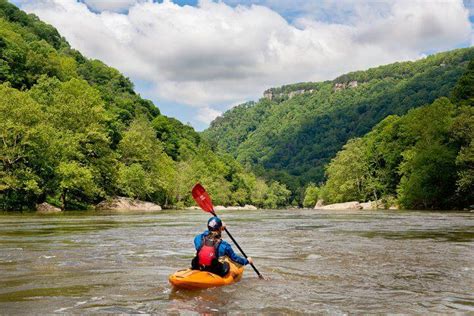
(211, 250)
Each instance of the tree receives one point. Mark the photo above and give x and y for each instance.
(21, 141)
(347, 173)
(146, 172)
(311, 195)
(75, 180)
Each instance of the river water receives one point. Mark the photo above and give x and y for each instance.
(315, 262)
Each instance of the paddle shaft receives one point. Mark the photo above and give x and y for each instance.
(240, 249)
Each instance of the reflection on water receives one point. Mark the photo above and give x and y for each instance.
(314, 261)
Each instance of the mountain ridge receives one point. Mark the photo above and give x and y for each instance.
(291, 139)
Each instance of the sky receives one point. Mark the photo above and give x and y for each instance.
(195, 59)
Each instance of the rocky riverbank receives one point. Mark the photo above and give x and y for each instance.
(124, 204)
(228, 208)
(46, 208)
(354, 205)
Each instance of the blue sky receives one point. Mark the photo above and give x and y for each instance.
(197, 59)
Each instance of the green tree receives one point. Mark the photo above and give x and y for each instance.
(21, 142)
(347, 173)
(146, 171)
(311, 195)
(75, 180)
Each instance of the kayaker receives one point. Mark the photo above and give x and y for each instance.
(210, 248)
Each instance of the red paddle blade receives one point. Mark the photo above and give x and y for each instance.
(202, 198)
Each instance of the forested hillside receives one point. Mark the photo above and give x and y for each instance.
(73, 132)
(423, 159)
(292, 133)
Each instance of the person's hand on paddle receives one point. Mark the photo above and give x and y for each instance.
(250, 260)
(223, 225)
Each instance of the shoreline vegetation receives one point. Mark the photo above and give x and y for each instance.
(75, 134)
(125, 205)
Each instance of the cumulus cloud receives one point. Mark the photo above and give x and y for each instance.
(215, 54)
(207, 114)
(111, 5)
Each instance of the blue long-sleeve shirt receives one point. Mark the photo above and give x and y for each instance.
(224, 249)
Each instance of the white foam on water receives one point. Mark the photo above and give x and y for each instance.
(313, 257)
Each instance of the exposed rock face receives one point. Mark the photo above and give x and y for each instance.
(46, 208)
(124, 204)
(372, 205)
(342, 206)
(249, 207)
(294, 93)
(342, 86)
(352, 84)
(319, 203)
(270, 95)
(339, 86)
(354, 205)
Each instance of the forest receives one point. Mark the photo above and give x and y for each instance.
(423, 159)
(74, 132)
(293, 137)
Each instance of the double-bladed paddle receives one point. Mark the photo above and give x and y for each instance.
(204, 201)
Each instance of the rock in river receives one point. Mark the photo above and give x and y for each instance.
(354, 205)
(46, 208)
(124, 204)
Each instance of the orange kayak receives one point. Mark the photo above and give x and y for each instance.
(196, 279)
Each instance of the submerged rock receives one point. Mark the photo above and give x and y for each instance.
(46, 208)
(124, 204)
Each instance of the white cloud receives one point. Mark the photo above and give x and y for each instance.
(214, 54)
(207, 114)
(110, 5)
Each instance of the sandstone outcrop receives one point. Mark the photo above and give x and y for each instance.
(354, 205)
(124, 204)
(46, 208)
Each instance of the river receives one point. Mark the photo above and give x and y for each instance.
(315, 262)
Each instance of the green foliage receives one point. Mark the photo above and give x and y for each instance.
(428, 177)
(351, 160)
(174, 135)
(75, 181)
(21, 140)
(424, 158)
(463, 135)
(292, 139)
(31, 24)
(74, 132)
(464, 90)
(134, 181)
(311, 196)
(145, 171)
